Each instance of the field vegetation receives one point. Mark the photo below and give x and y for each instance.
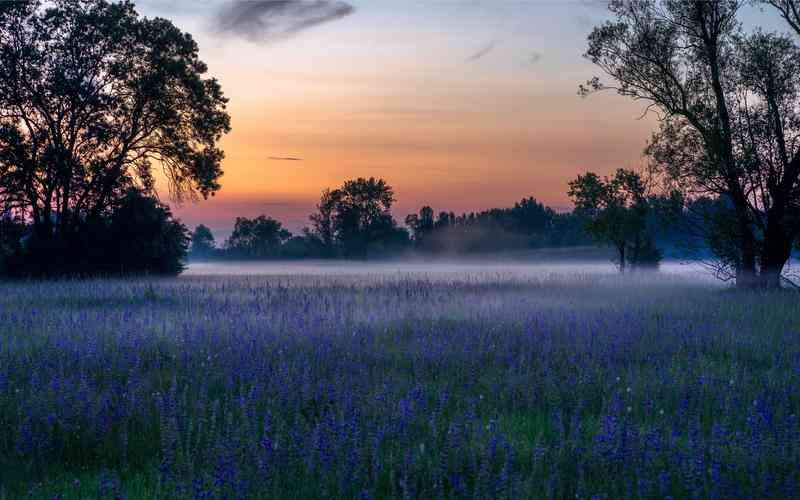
(508, 383)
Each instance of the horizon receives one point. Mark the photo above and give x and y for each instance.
(463, 106)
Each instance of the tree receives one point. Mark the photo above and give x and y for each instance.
(616, 212)
(531, 217)
(92, 97)
(258, 238)
(203, 243)
(322, 222)
(728, 106)
(356, 217)
(12, 230)
(147, 239)
(420, 225)
(137, 235)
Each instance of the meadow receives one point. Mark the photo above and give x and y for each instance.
(503, 382)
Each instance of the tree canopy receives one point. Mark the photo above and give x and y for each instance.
(728, 104)
(93, 97)
(616, 211)
(257, 238)
(202, 241)
(356, 218)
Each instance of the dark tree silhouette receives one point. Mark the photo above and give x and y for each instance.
(137, 235)
(728, 103)
(203, 244)
(323, 224)
(526, 225)
(257, 238)
(147, 238)
(356, 218)
(616, 212)
(421, 225)
(92, 98)
(12, 230)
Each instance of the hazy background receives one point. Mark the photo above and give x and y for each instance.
(463, 105)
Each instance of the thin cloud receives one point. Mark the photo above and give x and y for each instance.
(270, 20)
(486, 49)
(285, 158)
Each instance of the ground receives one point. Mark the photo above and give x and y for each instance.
(500, 382)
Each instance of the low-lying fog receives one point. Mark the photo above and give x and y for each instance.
(517, 269)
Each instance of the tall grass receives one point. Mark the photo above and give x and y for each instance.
(405, 386)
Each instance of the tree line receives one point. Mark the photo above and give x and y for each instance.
(96, 101)
(356, 221)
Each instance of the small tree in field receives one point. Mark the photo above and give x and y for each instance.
(616, 212)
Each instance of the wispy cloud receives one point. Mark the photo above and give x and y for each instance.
(483, 51)
(270, 20)
(285, 158)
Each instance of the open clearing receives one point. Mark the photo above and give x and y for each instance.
(413, 381)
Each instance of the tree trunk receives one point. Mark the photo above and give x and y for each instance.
(776, 252)
(746, 276)
(621, 251)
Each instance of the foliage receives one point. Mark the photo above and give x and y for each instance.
(138, 236)
(12, 229)
(202, 242)
(92, 97)
(417, 386)
(528, 224)
(356, 221)
(616, 212)
(147, 238)
(261, 237)
(728, 103)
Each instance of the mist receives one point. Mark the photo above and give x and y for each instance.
(491, 269)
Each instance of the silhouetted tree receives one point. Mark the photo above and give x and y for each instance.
(532, 217)
(92, 97)
(420, 225)
(147, 238)
(616, 212)
(203, 244)
(528, 224)
(357, 218)
(261, 237)
(12, 230)
(323, 222)
(137, 235)
(728, 103)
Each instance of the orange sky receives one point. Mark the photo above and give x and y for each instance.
(408, 94)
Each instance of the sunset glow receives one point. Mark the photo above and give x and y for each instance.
(459, 105)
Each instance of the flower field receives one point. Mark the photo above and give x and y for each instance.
(419, 385)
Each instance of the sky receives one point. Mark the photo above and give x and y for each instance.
(460, 105)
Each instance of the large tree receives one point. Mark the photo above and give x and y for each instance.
(727, 103)
(92, 98)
